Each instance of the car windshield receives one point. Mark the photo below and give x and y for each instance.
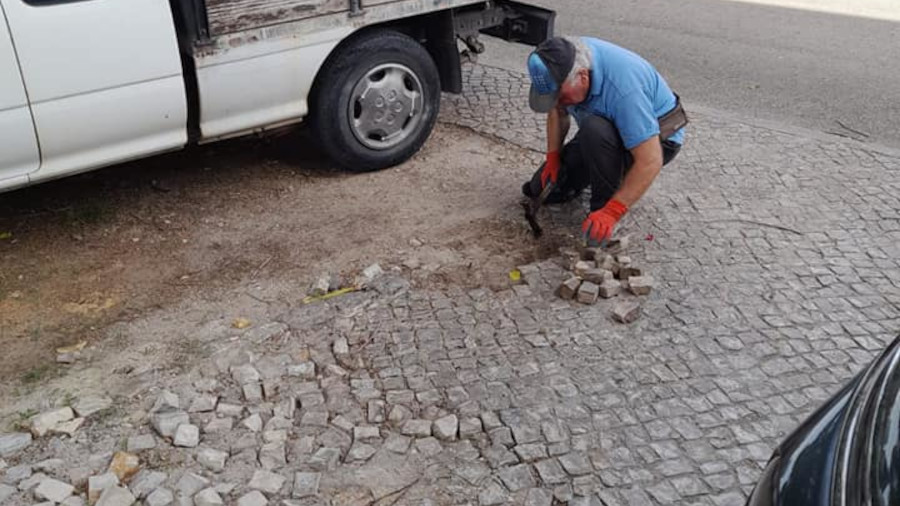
(885, 452)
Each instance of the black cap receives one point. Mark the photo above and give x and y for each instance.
(549, 66)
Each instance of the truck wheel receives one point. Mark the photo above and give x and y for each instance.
(376, 101)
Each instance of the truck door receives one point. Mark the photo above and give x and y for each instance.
(104, 79)
(18, 147)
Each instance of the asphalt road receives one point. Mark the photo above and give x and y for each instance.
(832, 73)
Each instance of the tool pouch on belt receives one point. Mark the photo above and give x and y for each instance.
(672, 121)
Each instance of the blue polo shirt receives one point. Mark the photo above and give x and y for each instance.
(628, 91)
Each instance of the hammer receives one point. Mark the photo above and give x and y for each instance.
(533, 206)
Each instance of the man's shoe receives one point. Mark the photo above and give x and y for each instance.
(526, 190)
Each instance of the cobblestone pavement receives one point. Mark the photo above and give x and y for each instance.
(775, 255)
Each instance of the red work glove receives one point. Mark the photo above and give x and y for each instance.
(551, 169)
(599, 225)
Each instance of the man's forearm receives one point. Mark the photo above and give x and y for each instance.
(648, 161)
(637, 181)
(557, 128)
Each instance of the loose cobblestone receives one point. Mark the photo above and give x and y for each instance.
(538, 497)
(493, 495)
(267, 482)
(551, 472)
(160, 497)
(144, 482)
(305, 485)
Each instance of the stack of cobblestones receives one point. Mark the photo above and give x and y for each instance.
(606, 273)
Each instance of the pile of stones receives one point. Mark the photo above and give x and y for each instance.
(47, 481)
(606, 273)
(328, 282)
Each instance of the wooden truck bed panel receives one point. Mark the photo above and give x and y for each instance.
(230, 16)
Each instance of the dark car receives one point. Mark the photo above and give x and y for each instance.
(847, 452)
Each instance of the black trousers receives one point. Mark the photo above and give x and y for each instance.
(595, 157)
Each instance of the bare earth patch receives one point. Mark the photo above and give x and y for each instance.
(264, 217)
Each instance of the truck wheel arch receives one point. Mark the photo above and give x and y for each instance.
(434, 31)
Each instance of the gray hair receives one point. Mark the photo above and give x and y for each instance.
(583, 56)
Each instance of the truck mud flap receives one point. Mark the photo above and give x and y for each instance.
(523, 23)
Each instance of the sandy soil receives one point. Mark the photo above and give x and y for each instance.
(88, 254)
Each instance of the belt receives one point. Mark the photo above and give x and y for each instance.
(672, 121)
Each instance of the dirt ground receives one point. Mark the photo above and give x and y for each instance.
(86, 253)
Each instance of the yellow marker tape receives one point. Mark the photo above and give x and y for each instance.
(241, 323)
(515, 275)
(72, 349)
(5, 235)
(330, 295)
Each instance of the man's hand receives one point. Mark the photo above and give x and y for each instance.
(551, 169)
(599, 225)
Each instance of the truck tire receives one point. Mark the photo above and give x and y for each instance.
(376, 101)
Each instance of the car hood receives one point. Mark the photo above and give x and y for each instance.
(806, 459)
(811, 464)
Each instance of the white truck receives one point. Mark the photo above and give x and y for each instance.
(90, 83)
